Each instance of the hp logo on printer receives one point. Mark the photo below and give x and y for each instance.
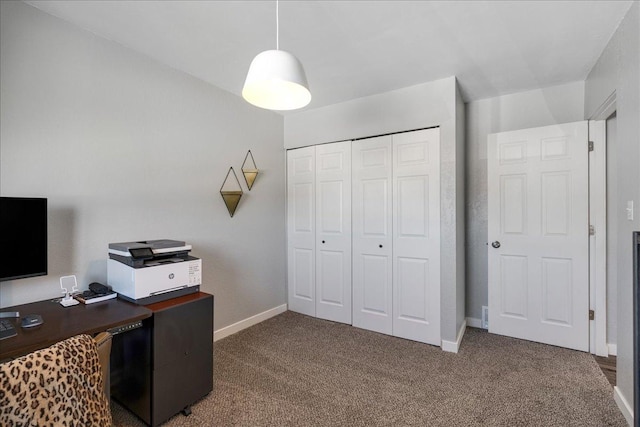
(171, 276)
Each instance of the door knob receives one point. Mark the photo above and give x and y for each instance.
(495, 244)
(323, 241)
(380, 246)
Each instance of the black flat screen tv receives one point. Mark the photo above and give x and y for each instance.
(23, 237)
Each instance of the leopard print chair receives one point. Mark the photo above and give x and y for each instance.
(57, 386)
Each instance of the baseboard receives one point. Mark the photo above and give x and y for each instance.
(613, 349)
(451, 346)
(623, 405)
(472, 322)
(248, 322)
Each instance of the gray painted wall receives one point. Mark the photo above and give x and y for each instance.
(540, 107)
(127, 149)
(617, 70)
(424, 105)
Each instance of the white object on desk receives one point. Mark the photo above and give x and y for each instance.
(69, 281)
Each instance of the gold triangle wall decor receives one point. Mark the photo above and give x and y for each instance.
(249, 170)
(231, 193)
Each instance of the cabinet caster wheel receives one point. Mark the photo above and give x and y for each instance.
(186, 411)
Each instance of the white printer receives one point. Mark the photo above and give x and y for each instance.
(154, 270)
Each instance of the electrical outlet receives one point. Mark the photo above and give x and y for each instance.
(630, 210)
(485, 317)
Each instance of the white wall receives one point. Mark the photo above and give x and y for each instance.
(540, 107)
(617, 70)
(420, 106)
(125, 149)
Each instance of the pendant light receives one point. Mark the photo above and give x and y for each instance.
(276, 79)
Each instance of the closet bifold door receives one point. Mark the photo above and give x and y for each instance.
(372, 238)
(416, 235)
(333, 231)
(301, 230)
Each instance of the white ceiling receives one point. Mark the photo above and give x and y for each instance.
(352, 49)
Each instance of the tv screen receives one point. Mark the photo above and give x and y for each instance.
(23, 233)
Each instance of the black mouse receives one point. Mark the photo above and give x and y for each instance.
(31, 320)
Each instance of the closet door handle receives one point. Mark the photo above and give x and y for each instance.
(323, 241)
(495, 244)
(379, 246)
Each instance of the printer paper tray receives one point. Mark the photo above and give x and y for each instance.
(163, 296)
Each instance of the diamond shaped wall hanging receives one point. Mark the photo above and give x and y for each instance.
(231, 192)
(249, 169)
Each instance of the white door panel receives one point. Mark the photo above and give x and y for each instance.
(375, 295)
(302, 207)
(411, 298)
(364, 233)
(416, 235)
(396, 235)
(301, 229)
(303, 268)
(375, 207)
(538, 212)
(330, 270)
(372, 240)
(333, 232)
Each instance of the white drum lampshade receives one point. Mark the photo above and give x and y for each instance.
(276, 81)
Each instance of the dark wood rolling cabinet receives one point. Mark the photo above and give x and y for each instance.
(177, 371)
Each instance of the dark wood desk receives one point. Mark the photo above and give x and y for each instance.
(64, 322)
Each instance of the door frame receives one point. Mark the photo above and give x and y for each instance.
(598, 218)
(598, 240)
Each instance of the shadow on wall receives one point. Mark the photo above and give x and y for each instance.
(97, 272)
(61, 239)
(237, 293)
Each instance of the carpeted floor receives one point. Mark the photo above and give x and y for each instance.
(293, 370)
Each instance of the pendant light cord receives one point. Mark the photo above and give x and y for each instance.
(277, 26)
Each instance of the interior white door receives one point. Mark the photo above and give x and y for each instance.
(416, 235)
(372, 234)
(538, 234)
(333, 231)
(301, 230)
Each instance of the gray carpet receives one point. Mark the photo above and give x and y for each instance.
(293, 370)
